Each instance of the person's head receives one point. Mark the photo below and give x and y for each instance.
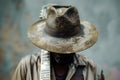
(62, 59)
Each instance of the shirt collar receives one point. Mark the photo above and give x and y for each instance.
(79, 60)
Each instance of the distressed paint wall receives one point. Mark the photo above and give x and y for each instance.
(17, 15)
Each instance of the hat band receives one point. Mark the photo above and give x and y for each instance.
(63, 34)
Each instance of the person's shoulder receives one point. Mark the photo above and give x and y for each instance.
(86, 60)
(26, 66)
(92, 66)
(30, 59)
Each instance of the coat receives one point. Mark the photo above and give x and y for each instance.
(29, 69)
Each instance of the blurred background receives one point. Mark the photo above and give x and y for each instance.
(16, 16)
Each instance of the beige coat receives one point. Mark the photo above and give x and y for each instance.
(29, 69)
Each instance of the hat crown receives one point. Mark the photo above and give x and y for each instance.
(62, 21)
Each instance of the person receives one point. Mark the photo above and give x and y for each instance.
(60, 34)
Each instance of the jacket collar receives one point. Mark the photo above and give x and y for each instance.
(79, 60)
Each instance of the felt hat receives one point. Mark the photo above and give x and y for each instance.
(60, 30)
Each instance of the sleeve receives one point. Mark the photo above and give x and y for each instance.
(27, 69)
(20, 72)
(95, 70)
(100, 75)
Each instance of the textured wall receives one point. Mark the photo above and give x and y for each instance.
(17, 15)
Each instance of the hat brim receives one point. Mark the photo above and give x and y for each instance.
(80, 42)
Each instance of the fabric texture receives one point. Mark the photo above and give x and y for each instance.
(29, 69)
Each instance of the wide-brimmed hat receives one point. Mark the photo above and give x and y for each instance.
(62, 31)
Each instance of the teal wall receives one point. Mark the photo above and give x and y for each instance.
(16, 16)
